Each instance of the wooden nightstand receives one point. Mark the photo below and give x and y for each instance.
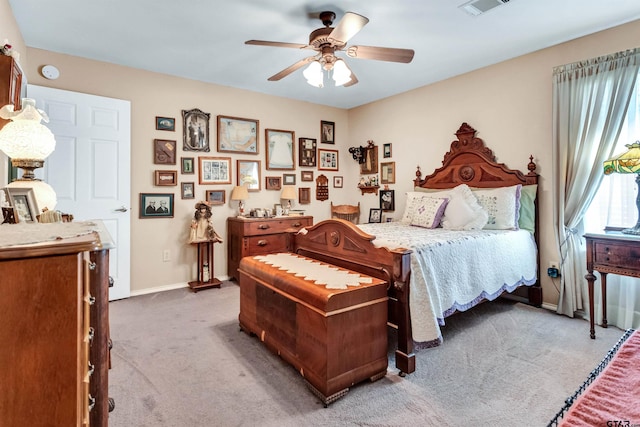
(259, 236)
(612, 252)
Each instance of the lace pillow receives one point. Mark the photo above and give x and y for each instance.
(429, 211)
(413, 199)
(463, 212)
(502, 205)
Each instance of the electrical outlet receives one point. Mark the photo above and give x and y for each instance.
(166, 255)
(554, 264)
(554, 269)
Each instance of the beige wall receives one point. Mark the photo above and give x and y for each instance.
(508, 103)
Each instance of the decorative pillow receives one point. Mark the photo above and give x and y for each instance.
(463, 210)
(413, 199)
(503, 206)
(527, 217)
(429, 211)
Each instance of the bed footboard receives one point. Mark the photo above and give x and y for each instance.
(341, 243)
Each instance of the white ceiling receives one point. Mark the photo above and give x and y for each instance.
(204, 39)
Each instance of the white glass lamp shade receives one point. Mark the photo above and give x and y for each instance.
(313, 74)
(44, 194)
(25, 137)
(341, 73)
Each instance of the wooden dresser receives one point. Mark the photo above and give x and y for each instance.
(259, 236)
(54, 332)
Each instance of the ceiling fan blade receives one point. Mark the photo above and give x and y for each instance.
(291, 69)
(381, 53)
(276, 44)
(348, 27)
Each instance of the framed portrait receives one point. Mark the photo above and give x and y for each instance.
(156, 205)
(387, 200)
(370, 164)
(9, 215)
(166, 123)
(164, 152)
(195, 130)
(273, 183)
(289, 179)
(304, 195)
(188, 190)
(388, 173)
(249, 174)
(215, 197)
(375, 215)
(237, 135)
(307, 151)
(186, 165)
(306, 175)
(166, 178)
(214, 170)
(327, 132)
(280, 149)
(328, 160)
(337, 182)
(386, 150)
(23, 200)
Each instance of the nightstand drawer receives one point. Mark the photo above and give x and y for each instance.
(259, 245)
(615, 254)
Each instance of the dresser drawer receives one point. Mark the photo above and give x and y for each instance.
(257, 228)
(260, 245)
(615, 254)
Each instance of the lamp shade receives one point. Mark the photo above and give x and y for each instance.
(313, 74)
(25, 137)
(341, 73)
(628, 162)
(288, 192)
(239, 193)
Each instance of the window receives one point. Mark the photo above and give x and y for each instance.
(615, 202)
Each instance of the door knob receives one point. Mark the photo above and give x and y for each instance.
(122, 209)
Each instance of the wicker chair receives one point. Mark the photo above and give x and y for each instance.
(347, 212)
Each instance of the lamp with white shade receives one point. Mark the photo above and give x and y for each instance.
(340, 73)
(28, 143)
(240, 193)
(288, 193)
(628, 162)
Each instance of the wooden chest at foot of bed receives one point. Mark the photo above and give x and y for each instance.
(335, 338)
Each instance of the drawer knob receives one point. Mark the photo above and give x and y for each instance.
(92, 402)
(297, 224)
(92, 333)
(263, 226)
(92, 266)
(91, 299)
(262, 243)
(90, 368)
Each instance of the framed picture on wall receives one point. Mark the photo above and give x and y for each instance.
(249, 174)
(307, 152)
(328, 160)
(164, 152)
(166, 178)
(273, 183)
(215, 197)
(195, 130)
(280, 149)
(387, 200)
(186, 165)
(327, 132)
(188, 190)
(156, 205)
(237, 135)
(214, 170)
(166, 123)
(388, 173)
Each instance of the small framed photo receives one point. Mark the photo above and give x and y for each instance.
(166, 123)
(328, 160)
(188, 190)
(9, 215)
(306, 175)
(195, 130)
(23, 200)
(277, 209)
(327, 132)
(370, 164)
(289, 179)
(186, 165)
(166, 178)
(249, 174)
(375, 215)
(164, 152)
(214, 170)
(215, 197)
(307, 152)
(280, 149)
(388, 173)
(156, 205)
(387, 200)
(237, 135)
(386, 150)
(337, 182)
(304, 195)
(273, 183)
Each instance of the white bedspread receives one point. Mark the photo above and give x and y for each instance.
(455, 270)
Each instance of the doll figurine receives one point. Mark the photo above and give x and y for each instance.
(202, 225)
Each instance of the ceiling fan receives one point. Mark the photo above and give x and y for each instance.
(326, 41)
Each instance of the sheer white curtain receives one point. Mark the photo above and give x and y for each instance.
(614, 205)
(590, 102)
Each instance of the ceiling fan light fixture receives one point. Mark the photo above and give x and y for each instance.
(313, 74)
(341, 73)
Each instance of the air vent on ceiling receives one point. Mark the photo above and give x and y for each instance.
(478, 7)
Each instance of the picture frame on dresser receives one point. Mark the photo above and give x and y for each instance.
(23, 200)
(156, 205)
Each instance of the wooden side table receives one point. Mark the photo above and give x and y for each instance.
(611, 252)
(205, 268)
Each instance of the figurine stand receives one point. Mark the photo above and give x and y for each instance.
(205, 268)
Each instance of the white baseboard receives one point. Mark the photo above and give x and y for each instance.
(167, 288)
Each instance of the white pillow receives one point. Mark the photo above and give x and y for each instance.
(413, 198)
(429, 211)
(503, 206)
(463, 212)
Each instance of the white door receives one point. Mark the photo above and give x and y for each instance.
(91, 166)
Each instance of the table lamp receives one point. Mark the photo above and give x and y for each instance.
(240, 193)
(28, 142)
(628, 162)
(288, 194)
